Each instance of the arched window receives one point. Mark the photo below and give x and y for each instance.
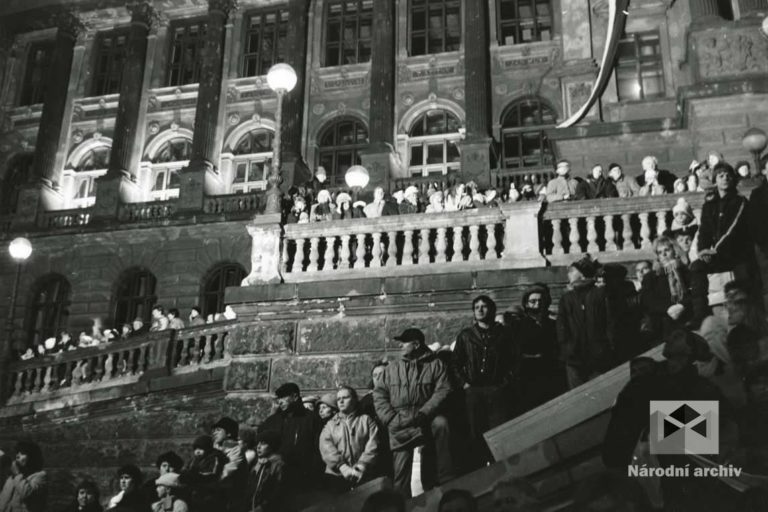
(432, 143)
(339, 147)
(18, 172)
(134, 296)
(49, 310)
(80, 192)
(524, 141)
(168, 161)
(215, 282)
(251, 155)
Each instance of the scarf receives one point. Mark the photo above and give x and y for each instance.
(675, 281)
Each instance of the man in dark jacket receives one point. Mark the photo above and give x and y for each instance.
(299, 433)
(486, 365)
(408, 401)
(235, 471)
(582, 325)
(599, 186)
(725, 241)
(266, 482)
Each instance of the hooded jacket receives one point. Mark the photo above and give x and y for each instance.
(414, 385)
(350, 439)
(582, 327)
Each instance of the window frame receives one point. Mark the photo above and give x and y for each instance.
(424, 5)
(654, 62)
(197, 58)
(221, 271)
(115, 65)
(432, 139)
(34, 94)
(259, 159)
(360, 18)
(279, 33)
(518, 22)
(133, 302)
(46, 318)
(337, 178)
(546, 149)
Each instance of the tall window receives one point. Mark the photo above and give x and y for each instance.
(339, 147)
(187, 43)
(264, 41)
(135, 296)
(639, 68)
(252, 153)
(432, 144)
(36, 76)
(216, 282)
(168, 161)
(93, 164)
(348, 32)
(16, 175)
(435, 26)
(524, 21)
(50, 309)
(524, 141)
(110, 59)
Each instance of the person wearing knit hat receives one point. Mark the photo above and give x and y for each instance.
(267, 490)
(235, 472)
(167, 487)
(682, 214)
(327, 407)
(586, 345)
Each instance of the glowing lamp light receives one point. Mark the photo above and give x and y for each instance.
(281, 77)
(20, 249)
(754, 140)
(357, 176)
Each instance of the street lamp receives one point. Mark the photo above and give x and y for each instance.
(20, 249)
(281, 78)
(357, 178)
(755, 141)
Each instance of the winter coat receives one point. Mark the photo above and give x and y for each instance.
(725, 228)
(559, 187)
(299, 431)
(758, 212)
(656, 298)
(582, 327)
(233, 474)
(267, 484)
(202, 475)
(626, 186)
(25, 493)
(413, 385)
(485, 357)
(134, 501)
(351, 439)
(601, 187)
(170, 504)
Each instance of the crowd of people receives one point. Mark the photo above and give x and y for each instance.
(161, 320)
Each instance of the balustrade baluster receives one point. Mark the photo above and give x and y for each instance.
(407, 247)
(328, 255)
(183, 357)
(610, 234)
(218, 346)
(376, 249)
(18, 390)
(38, 380)
(592, 235)
(458, 243)
(142, 363)
(77, 374)
(133, 365)
(661, 222)
(360, 251)
(424, 246)
(285, 256)
(344, 253)
(573, 236)
(85, 371)
(298, 259)
(626, 233)
(474, 242)
(490, 242)
(392, 249)
(645, 231)
(109, 365)
(441, 246)
(207, 349)
(47, 379)
(314, 254)
(98, 368)
(557, 238)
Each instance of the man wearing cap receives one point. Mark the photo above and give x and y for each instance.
(167, 485)
(408, 401)
(486, 363)
(563, 187)
(299, 430)
(725, 241)
(233, 475)
(583, 325)
(267, 483)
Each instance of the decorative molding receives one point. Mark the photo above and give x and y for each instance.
(730, 53)
(161, 138)
(143, 13)
(69, 23)
(432, 102)
(223, 6)
(255, 123)
(77, 154)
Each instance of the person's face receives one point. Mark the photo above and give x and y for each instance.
(22, 459)
(641, 269)
(320, 176)
(285, 401)
(651, 175)
(648, 164)
(615, 173)
(407, 347)
(563, 168)
(378, 194)
(377, 375)
(126, 483)
(723, 181)
(457, 505)
(219, 435)
(345, 401)
(680, 186)
(737, 309)
(685, 242)
(156, 313)
(460, 190)
(126, 329)
(743, 171)
(665, 253)
(713, 160)
(85, 497)
(194, 314)
(65, 337)
(482, 311)
(165, 467)
(693, 183)
(324, 411)
(171, 316)
(682, 218)
(198, 452)
(597, 171)
(574, 275)
(262, 449)
(162, 491)
(137, 325)
(534, 302)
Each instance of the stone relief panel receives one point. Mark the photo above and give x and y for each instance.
(728, 53)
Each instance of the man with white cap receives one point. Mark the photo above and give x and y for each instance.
(167, 486)
(563, 187)
(410, 203)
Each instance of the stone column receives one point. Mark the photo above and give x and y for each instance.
(704, 10)
(206, 146)
(381, 133)
(265, 232)
(293, 167)
(125, 155)
(753, 8)
(475, 149)
(52, 121)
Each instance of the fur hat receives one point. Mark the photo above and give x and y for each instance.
(587, 266)
(229, 425)
(287, 389)
(329, 399)
(312, 399)
(205, 443)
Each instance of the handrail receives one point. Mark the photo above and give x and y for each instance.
(151, 210)
(618, 206)
(201, 345)
(233, 203)
(64, 218)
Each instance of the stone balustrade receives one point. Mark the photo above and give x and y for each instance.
(149, 211)
(252, 202)
(620, 229)
(64, 218)
(205, 345)
(503, 178)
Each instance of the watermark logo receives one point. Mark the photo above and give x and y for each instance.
(682, 427)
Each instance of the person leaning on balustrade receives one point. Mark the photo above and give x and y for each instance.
(626, 186)
(375, 208)
(563, 187)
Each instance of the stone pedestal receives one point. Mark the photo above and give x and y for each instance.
(193, 185)
(476, 161)
(112, 190)
(265, 231)
(521, 235)
(378, 160)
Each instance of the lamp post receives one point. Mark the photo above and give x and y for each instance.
(281, 78)
(357, 178)
(755, 141)
(20, 249)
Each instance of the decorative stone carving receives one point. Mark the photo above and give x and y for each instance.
(256, 118)
(318, 109)
(341, 107)
(403, 73)
(232, 94)
(577, 94)
(458, 93)
(366, 103)
(102, 103)
(233, 118)
(175, 126)
(153, 128)
(741, 52)
(501, 89)
(265, 254)
(77, 136)
(142, 12)
(96, 135)
(153, 103)
(223, 6)
(69, 23)
(407, 99)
